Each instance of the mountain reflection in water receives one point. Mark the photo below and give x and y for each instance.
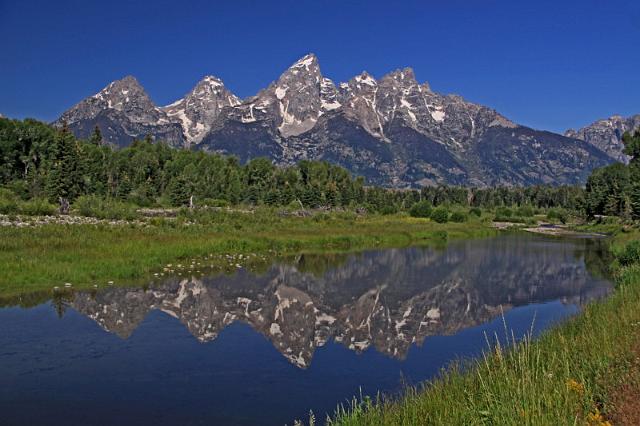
(389, 299)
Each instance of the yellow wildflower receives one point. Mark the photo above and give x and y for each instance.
(597, 419)
(575, 386)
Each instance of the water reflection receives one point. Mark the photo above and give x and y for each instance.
(389, 299)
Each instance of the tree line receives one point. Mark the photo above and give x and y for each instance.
(38, 161)
(614, 190)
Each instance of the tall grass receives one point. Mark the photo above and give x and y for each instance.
(562, 378)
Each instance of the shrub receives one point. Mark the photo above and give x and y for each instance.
(475, 211)
(512, 219)
(524, 211)
(458, 217)
(504, 212)
(560, 215)
(420, 209)
(440, 215)
(139, 198)
(8, 207)
(386, 210)
(38, 207)
(8, 202)
(92, 206)
(630, 254)
(213, 202)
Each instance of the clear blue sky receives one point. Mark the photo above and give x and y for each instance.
(547, 64)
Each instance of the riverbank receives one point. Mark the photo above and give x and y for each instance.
(584, 371)
(39, 258)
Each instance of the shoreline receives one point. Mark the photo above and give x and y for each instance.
(583, 371)
(39, 258)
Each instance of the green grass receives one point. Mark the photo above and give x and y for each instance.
(39, 258)
(565, 377)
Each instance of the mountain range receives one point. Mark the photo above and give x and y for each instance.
(394, 131)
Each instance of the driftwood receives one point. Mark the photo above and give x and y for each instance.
(64, 206)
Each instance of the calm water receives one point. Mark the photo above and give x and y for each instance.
(265, 348)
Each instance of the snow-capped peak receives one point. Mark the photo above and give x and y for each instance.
(307, 61)
(366, 78)
(197, 111)
(213, 81)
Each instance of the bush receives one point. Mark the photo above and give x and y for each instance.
(213, 202)
(8, 207)
(475, 211)
(560, 215)
(524, 211)
(504, 212)
(386, 210)
(38, 207)
(630, 254)
(8, 202)
(420, 209)
(440, 215)
(92, 206)
(458, 217)
(515, 219)
(140, 199)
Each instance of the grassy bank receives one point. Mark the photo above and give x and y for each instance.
(38, 258)
(570, 375)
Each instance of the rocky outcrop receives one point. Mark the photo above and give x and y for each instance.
(606, 134)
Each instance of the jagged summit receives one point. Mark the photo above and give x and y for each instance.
(308, 62)
(606, 134)
(393, 130)
(124, 111)
(402, 74)
(200, 108)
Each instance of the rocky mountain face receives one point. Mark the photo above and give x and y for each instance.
(123, 111)
(606, 134)
(394, 131)
(200, 108)
(388, 300)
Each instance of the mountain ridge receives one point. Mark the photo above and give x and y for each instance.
(394, 131)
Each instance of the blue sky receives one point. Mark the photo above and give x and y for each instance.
(545, 64)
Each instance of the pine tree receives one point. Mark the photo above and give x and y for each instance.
(632, 145)
(634, 189)
(96, 137)
(272, 198)
(233, 186)
(64, 179)
(180, 191)
(311, 197)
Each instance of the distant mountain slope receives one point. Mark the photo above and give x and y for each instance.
(123, 111)
(394, 131)
(607, 134)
